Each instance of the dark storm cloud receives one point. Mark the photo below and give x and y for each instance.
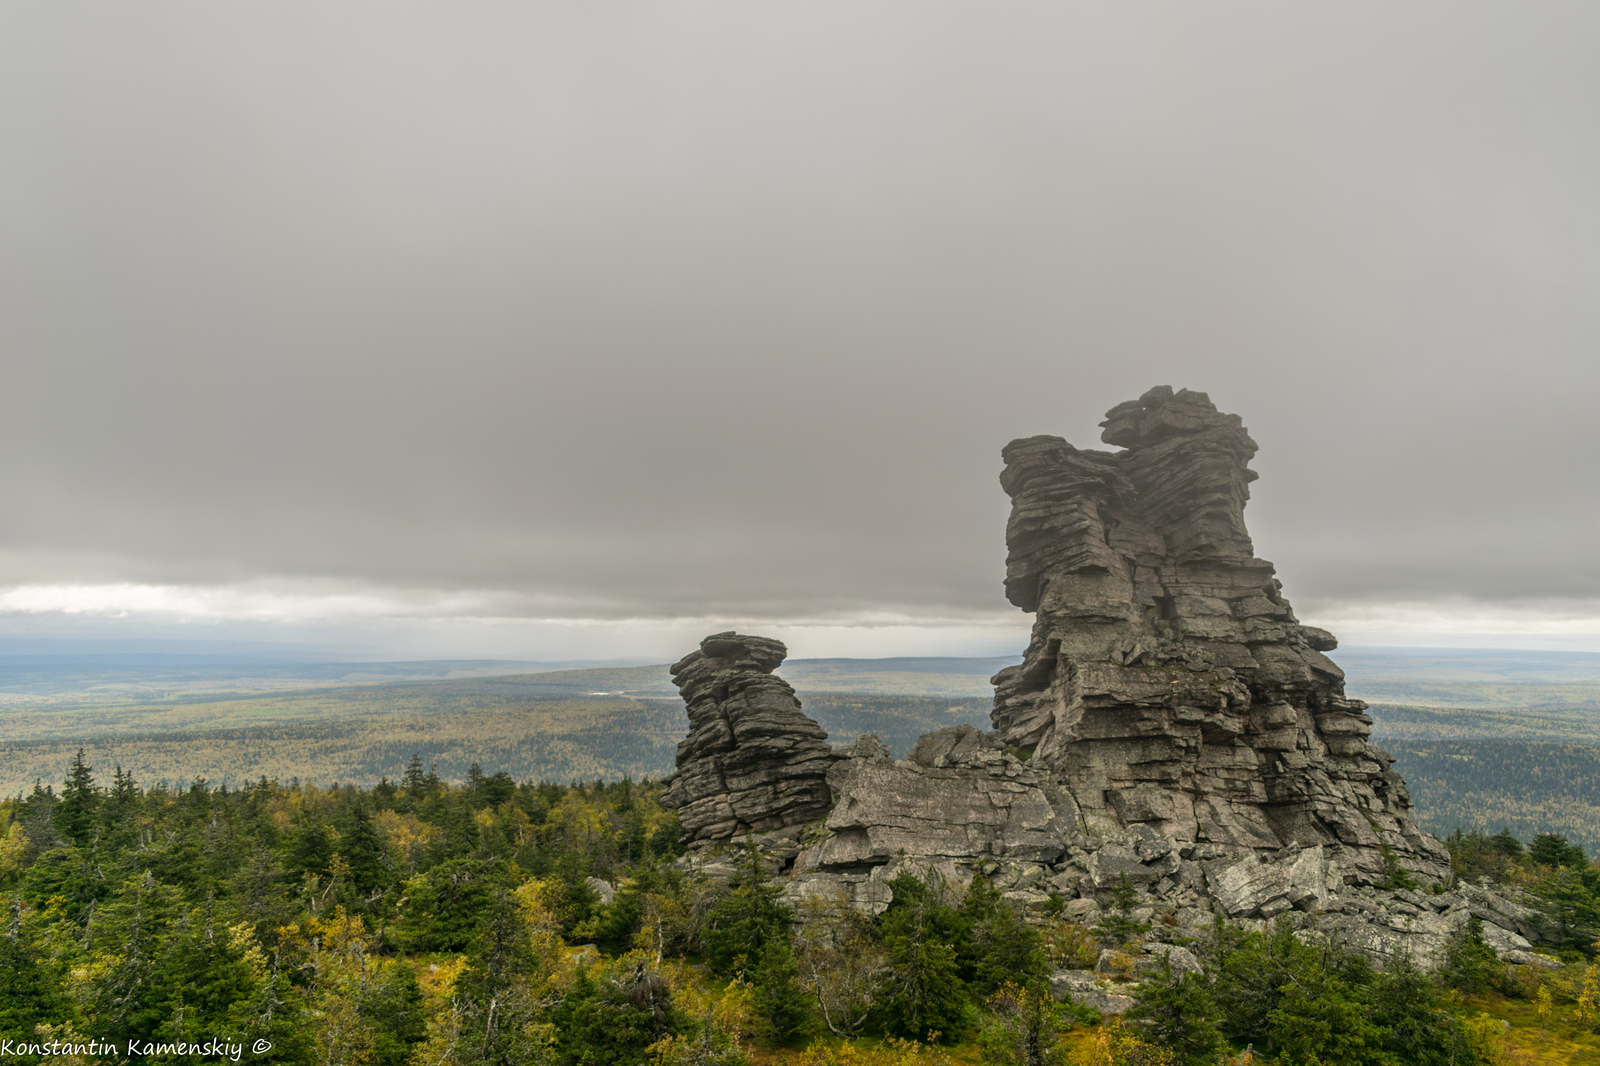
(698, 309)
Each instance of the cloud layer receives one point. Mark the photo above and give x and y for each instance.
(605, 314)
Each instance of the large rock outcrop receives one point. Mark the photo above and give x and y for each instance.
(1172, 728)
(1167, 682)
(753, 762)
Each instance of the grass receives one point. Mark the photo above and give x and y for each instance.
(1562, 1043)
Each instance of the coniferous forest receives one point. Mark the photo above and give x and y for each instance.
(428, 923)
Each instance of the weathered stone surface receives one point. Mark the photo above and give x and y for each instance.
(957, 798)
(1251, 888)
(753, 762)
(1167, 681)
(1084, 987)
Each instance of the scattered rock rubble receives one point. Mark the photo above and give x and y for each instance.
(1171, 724)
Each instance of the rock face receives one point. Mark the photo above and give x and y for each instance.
(958, 804)
(1167, 682)
(753, 762)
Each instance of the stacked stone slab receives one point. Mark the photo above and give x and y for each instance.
(1167, 683)
(753, 762)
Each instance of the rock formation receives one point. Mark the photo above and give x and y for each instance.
(1167, 682)
(753, 762)
(1172, 726)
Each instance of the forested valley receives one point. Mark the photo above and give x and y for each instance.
(426, 923)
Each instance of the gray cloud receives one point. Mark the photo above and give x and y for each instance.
(687, 310)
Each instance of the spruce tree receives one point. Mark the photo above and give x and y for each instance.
(1117, 925)
(1176, 1011)
(362, 848)
(497, 1008)
(925, 938)
(1469, 961)
(745, 920)
(75, 814)
(393, 1008)
(781, 1004)
(414, 782)
(29, 992)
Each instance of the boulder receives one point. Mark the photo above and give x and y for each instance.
(1084, 987)
(1250, 887)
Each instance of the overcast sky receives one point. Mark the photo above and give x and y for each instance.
(583, 329)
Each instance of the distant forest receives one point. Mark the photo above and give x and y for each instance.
(360, 735)
(1517, 747)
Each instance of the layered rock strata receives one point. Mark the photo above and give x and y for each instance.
(753, 762)
(1167, 682)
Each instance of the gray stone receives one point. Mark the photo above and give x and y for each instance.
(1168, 682)
(1251, 887)
(1181, 729)
(1529, 958)
(1084, 987)
(1182, 959)
(1108, 866)
(753, 761)
(978, 804)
